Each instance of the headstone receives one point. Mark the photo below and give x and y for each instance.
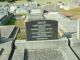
(42, 30)
(32, 5)
(1, 10)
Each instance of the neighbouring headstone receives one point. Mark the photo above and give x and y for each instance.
(42, 30)
(1, 10)
(32, 5)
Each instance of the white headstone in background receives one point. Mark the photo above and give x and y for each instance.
(35, 11)
(32, 5)
(1, 10)
(13, 8)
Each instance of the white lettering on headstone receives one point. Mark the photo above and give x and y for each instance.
(41, 36)
(41, 32)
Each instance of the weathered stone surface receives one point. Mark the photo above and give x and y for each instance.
(6, 31)
(44, 50)
(75, 45)
(6, 52)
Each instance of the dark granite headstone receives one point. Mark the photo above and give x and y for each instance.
(42, 30)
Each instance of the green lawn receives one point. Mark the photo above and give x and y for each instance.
(22, 33)
(11, 22)
(43, 1)
(52, 1)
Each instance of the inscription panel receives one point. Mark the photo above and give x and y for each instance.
(42, 30)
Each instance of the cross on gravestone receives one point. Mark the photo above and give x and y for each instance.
(42, 30)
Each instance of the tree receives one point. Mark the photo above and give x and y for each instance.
(1, 0)
(11, 0)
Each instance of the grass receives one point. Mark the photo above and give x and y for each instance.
(52, 1)
(22, 33)
(74, 12)
(20, 23)
(20, 36)
(42, 1)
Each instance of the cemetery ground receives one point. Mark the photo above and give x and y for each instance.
(41, 1)
(22, 33)
(73, 14)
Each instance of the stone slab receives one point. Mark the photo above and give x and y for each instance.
(65, 23)
(42, 44)
(7, 49)
(6, 31)
(75, 45)
(43, 50)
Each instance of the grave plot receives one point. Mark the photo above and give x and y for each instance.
(4, 15)
(42, 30)
(5, 49)
(43, 54)
(43, 50)
(4, 19)
(66, 26)
(8, 31)
(2, 10)
(75, 45)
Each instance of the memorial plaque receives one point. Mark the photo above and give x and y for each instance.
(42, 30)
